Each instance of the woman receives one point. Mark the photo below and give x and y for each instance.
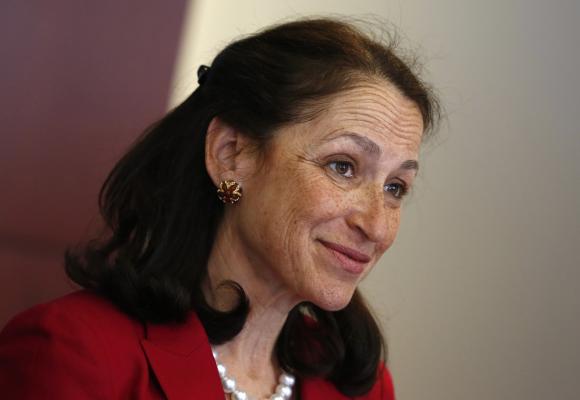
(310, 130)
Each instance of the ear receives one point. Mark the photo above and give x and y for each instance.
(224, 147)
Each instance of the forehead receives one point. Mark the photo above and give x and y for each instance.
(377, 110)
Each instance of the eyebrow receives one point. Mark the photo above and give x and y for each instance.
(410, 165)
(371, 147)
(367, 145)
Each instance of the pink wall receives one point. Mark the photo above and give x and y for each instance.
(78, 82)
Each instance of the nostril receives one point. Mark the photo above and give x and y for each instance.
(373, 224)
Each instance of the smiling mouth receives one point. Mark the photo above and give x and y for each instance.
(351, 260)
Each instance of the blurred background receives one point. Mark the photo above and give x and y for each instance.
(479, 297)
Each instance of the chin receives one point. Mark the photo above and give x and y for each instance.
(332, 299)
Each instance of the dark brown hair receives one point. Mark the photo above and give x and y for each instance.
(162, 212)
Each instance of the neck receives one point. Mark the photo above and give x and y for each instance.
(249, 356)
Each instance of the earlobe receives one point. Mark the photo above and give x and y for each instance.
(229, 191)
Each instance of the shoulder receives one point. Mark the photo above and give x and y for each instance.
(383, 388)
(321, 389)
(75, 336)
(79, 302)
(81, 310)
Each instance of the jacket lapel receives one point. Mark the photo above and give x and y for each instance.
(317, 388)
(180, 356)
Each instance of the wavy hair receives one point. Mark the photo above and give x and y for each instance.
(161, 211)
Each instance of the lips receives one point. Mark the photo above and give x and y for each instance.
(351, 260)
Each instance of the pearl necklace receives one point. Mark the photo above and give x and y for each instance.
(283, 390)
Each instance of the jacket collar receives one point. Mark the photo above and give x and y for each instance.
(180, 356)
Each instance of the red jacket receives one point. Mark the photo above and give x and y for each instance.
(82, 347)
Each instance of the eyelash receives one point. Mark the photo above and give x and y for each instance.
(343, 163)
(398, 190)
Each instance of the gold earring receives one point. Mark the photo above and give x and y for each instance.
(229, 191)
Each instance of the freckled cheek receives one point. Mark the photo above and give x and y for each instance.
(323, 206)
(280, 220)
(393, 222)
(294, 203)
(307, 208)
(311, 192)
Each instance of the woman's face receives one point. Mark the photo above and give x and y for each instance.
(325, 203)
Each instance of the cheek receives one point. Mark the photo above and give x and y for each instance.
(306, 203)
(293, 204)
(392, 221)
(316, 202)
(280, 204)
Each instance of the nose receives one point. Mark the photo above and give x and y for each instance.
(376, 220)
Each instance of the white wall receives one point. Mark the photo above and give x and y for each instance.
(480, 295)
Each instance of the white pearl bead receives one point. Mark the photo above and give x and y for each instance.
(284, 391)
(229, 384)
(240, 395)
(287, 379)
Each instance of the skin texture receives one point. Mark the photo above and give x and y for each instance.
(337, 180)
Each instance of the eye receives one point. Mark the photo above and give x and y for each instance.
(344, 168)
(398, 190)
